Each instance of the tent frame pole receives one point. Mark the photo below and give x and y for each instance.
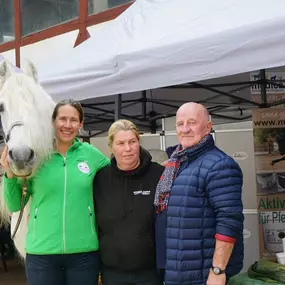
(118, 107)
(263, 92)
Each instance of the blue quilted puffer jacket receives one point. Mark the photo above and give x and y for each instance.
(205, 200)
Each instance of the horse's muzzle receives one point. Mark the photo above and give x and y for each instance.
(21, 156)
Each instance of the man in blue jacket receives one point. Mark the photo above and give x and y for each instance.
(199, 194)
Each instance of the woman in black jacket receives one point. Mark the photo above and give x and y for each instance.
(124, 194)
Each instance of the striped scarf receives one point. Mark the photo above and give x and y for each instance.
(164, 185)
(169, 174)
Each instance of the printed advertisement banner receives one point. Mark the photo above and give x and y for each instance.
(276, 86)
(275, 90)
(269, 152)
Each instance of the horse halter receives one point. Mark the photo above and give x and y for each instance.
(8, 136)
(24, 178)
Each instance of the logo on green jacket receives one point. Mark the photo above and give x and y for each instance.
(83, 167)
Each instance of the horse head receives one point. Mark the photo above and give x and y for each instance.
(25, 110)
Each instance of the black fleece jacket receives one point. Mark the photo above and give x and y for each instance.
(125, 214)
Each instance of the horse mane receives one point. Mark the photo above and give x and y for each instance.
(25, 100)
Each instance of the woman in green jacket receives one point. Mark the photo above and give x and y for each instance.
(61, 243)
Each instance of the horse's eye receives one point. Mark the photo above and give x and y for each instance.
(1, 107)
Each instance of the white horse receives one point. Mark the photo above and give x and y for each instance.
(26, 111)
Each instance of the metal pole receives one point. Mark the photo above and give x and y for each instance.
(1, 21)
(163, 133)
(144, 104)
(263, 89)
(152, 114)
(118, 107)
(18, 31)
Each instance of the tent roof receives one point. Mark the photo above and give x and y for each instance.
(167, 42)
(158, 43)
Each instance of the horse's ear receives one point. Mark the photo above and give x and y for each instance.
(5, 71)
(31, 70)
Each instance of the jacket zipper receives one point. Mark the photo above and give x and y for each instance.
(64, 201)
(90, 218)
(64, 206)
(34, 222)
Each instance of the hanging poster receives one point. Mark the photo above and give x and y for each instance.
(275, 90)
(269, 152)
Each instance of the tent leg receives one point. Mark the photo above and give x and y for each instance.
(118, 107)
(144, 104)
(153, 125)
(162, 135)
(263, 92)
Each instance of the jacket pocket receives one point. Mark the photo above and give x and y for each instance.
(91, 220)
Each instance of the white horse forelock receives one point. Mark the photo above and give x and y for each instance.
(26, 101)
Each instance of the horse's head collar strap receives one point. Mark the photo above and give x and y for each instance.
(24, 179)
(15, 124)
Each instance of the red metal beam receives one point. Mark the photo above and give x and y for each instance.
(7, 46)
(18, 30)
(57, 30)
(107, 15)
(74, 25)
(83, 34)
(49, 33)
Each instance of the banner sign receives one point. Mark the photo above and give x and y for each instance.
(269, 152)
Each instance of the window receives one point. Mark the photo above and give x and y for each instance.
(96, 6)
(38, 15)
(6, 21)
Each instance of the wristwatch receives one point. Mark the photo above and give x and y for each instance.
(218, 271)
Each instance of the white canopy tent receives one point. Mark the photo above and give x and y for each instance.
(157, 43)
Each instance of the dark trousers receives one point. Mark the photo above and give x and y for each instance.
(140, 277)
(65, 269)
(161, 274)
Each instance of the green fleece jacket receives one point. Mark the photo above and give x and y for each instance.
(62, 219)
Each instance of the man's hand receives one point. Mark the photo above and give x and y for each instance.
(216, 279)
(164, 163)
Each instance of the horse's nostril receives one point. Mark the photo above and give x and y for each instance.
(32, 154)
(10, 153)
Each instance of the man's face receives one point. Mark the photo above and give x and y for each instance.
(191, 125)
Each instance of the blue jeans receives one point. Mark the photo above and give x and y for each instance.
(63, 269)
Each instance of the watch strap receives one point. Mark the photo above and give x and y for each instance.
(218, 271)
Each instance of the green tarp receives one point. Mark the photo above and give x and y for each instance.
(260, 273)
